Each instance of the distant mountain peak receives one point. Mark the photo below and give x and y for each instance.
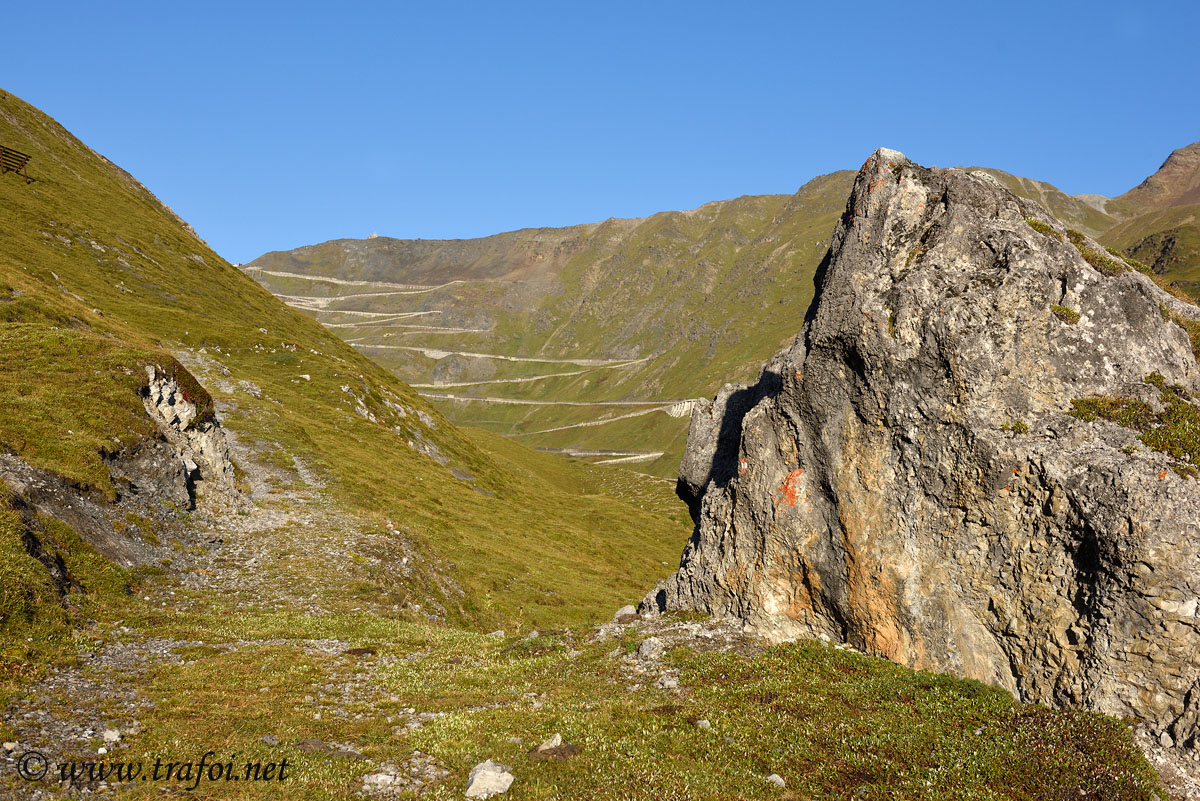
(1175, 183)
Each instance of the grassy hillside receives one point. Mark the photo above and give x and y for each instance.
(1160, 220)
(98, 278)
(612, 322)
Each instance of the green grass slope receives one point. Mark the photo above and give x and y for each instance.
(676, 304)
(98, 278)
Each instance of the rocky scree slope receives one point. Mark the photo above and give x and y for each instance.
(908, 477)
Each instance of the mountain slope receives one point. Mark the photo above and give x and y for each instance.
(99, 279)
(1160, 219)
(589, 339)
(591, 333)
(1175, 183)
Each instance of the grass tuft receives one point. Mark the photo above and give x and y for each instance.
(1067, 315)
(1043, 228)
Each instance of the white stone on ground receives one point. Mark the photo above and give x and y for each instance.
(488, 779)
(628, 609)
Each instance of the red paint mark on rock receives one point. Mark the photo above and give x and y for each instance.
(788, 492)
(742, 466)
(1163, 474)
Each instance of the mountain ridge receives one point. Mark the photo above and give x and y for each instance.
(582, 292)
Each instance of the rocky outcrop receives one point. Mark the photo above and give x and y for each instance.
(905, 477)
(154, 480)
(188, 423)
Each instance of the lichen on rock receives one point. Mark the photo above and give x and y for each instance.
(872, 488)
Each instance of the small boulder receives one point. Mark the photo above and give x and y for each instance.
(111, 735)
(651, 649)
(626, 614)
(488, 779)
(270, 739)
(777, 780)
(314, 746)
(667, 682)
(554, 748)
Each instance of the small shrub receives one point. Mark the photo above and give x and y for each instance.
(1069, 316)
(1127, 412)
(1139, 266)
(1103, 264)
(1186, 470)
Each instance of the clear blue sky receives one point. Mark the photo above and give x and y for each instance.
(274, 125)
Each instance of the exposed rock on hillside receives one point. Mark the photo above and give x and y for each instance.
(154, 479)
(189, 425)
(906, 476)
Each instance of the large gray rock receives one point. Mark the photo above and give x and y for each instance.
(869, 488)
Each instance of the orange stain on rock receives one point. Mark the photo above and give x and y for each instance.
(789, 491)
(1163, 474)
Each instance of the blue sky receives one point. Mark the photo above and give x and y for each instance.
(274, 125)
